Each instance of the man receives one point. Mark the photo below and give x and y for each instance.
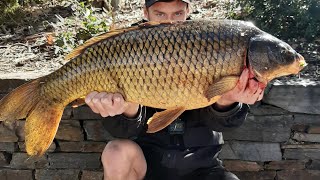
(186, 149)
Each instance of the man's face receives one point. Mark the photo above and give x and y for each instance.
(171, 11)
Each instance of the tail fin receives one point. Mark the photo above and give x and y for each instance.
(18, 103)
(41, 127)
(43, 116)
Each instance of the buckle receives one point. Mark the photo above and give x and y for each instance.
(176, 127)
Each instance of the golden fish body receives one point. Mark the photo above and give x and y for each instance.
(164, 66)
(172, 66)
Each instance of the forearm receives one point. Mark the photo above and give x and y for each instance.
(227, 120)
(121, 126)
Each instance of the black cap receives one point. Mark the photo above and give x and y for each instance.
(149, 3)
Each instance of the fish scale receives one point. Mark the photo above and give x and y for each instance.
(172, 66)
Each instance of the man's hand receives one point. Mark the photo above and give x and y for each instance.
(109, 104)
(247, 91)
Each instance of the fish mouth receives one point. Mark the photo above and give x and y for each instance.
(299, 64)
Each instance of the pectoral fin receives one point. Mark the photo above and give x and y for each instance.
(162, 119)
(223, 85)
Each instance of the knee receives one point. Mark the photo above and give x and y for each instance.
(118, 148)
(121, 152)
(121, 156)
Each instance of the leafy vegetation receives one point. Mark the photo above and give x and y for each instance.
(71, 31)
(91, 22)
(9, 9)
(284, 18)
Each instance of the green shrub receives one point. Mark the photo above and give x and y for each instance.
(89, 21)
(284, 18)
(10, 11)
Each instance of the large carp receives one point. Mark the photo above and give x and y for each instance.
(173, 66)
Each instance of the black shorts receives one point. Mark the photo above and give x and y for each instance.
(175, 165)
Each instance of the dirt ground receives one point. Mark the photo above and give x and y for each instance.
(25, 51)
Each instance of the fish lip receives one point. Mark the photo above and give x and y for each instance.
(300, 59)
(299, 64)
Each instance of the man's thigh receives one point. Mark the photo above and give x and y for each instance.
(155, 169)
(218, 173)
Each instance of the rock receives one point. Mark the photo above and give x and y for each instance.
(92, 175)
(85, 113)
(305, 137)
(74, 160)
(261, 175)
(24, 161)
(301, 153)
(262, 128)
(298, 99)
(67, 113)
(266, 109)
(20, 130)
(69, 130)
(300, 146)
(44, 174)
(85, 146)
(300, 174)
(314, 130)
(7, 146)
(7, 135)
(307, 119)
(3, 161)
(313, 164)
(9, 174)
(285, 165)
(299, 127)
(236, 165)
(95, 131)
(251, 151)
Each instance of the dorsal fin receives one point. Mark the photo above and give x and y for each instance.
(77, 51)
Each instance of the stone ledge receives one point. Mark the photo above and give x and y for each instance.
(298, 99)
(44, 174)
(262, 128)
(301, 154)
(238, 165)
(251, 151)
(10, 174)
(261, 175)
(286, 165)
(299, 174)
(74, 160)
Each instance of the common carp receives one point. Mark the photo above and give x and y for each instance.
(175, 66)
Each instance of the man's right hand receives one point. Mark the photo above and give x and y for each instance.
(111, 104)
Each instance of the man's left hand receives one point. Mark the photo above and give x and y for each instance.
(247, 91)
